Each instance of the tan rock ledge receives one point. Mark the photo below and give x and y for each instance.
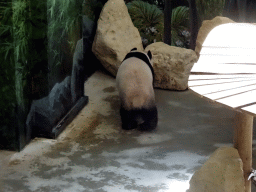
(172, 65)
(222, 172)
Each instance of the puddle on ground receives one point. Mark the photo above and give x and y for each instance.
(152, 138)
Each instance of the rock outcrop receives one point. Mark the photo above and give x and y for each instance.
(172, 65)
(222, 172)
(205, 29)
(115, 35)
(77, 77)
(46, 112)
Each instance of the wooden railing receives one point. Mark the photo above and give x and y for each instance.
(226, 73)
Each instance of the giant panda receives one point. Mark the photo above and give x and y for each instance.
(134, 81)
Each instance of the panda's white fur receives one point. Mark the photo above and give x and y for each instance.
(134, 82)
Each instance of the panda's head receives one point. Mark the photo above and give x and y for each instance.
(146, 57)
(148, 54)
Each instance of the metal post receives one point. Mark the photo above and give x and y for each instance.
(167, 22)
(193, 23)
(241, 5)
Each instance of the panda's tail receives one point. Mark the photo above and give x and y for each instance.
(140, 120)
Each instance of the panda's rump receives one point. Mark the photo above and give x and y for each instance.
(137, 99)
(135, 84)
(138, 90)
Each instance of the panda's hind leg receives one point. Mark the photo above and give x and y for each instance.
(150, 117)
(127, 117)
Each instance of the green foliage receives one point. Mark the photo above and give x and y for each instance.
(144, 13)
(19, 28)
(7, 67)
(7, 77)
(145, 16)
(149, 19)
(180, 23)
(22, 30)
(90, 7)
(22, 23)
(65, 15)
(208, 9)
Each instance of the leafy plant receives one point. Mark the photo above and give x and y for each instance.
(180, 23)
(149, 19)
(11, 50)
(65, 16)
(14, 46)
(146, 16)
(22, 26)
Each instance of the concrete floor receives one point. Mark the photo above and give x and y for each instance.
(93, 154)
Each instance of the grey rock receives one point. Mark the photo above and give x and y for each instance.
(46, 112)
(87, 26)
(77, 77)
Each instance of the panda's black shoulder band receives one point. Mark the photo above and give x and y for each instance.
(141, 56)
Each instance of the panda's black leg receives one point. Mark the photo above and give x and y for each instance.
(150, 117)
(127, 119)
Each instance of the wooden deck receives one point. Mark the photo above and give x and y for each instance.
(226, 73)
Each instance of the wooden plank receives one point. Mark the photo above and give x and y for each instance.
(223, 68)
(230, 92)
(194, 77)
(239, 99)
(207, 89)
(218, 81)
(250, 109)
(232, 51)
(226, 59)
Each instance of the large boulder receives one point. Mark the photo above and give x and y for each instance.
(115, 35)
(172, 65)
(222, 172)
(205, 29)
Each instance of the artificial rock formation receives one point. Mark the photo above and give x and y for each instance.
(172, 65)
(115, 35)
(78, 74)
(46, 112)
(205, 29)
(222, 172)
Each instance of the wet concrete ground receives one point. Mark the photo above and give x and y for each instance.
(94, 154)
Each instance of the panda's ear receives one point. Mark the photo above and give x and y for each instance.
(149, 55)
(134, 49)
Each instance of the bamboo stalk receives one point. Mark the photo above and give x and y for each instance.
(243, 143)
